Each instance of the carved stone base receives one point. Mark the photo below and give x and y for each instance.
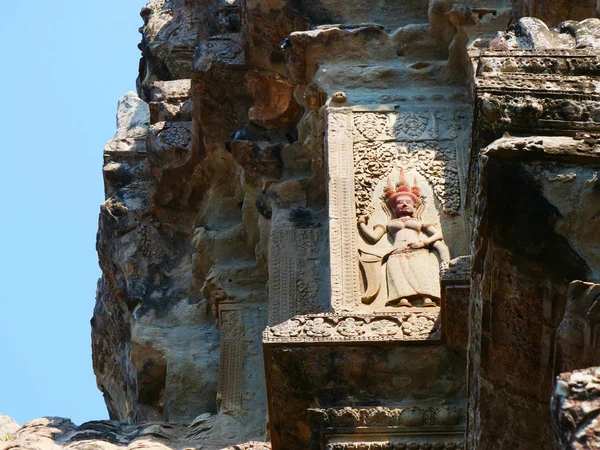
(417, 326)
(347, 360)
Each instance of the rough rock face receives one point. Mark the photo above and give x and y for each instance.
(575, 408)
(8, 426)
(261, 134)
(50, 433)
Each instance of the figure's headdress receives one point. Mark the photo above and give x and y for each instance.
(402, 189)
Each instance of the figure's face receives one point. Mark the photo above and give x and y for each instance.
(404, 206)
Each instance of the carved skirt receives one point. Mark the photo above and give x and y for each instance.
(413, 273)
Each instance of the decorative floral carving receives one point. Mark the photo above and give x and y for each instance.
(373, 161)
(351, 327)
(328, 327)
(418, 325)
(318, 327)
(379, 416)
(251, 446)
(231, 324)
(385, 327)
(370, 125)
(456, 269)
(440, 444)
(401, 422)
(411, 125)
(449, 415)
(412, 417)
(175, 137)
(289, 328)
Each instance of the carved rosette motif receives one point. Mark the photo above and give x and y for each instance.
(370, 125)
(406, 326)
(413, 126)
(174, 137)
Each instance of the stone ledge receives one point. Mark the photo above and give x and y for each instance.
(583, 148)
(369, 428)
(457, 270)
(377, 417)
(440, 443)
(417, 326)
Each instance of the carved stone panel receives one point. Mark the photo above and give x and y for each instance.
(231, 366)
(368, 147)
(431, 140)
(293, 284)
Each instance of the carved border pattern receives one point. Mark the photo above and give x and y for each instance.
(282, 298)
(231, 363)
(342, 216)
(409, 126)
(292, 290)
(314, 328)
(438, 444)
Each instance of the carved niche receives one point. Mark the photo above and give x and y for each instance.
(372, 152)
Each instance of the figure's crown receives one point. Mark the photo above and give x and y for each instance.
(402, 188)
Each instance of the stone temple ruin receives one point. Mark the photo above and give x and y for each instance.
(340, 225)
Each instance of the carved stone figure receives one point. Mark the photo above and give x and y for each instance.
(409, 266)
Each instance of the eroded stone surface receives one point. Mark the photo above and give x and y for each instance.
(575, 408)
(7, 426)
(529, 193)
(53, 433)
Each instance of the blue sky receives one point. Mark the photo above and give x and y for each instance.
(63, 67)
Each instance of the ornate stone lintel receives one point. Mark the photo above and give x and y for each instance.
(381, 428)
(421, 326)
(410, 416)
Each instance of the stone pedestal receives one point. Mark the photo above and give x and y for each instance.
(319, 364)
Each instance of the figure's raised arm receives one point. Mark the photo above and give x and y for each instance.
(371, 235)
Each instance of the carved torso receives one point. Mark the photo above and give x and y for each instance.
(404, 230)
